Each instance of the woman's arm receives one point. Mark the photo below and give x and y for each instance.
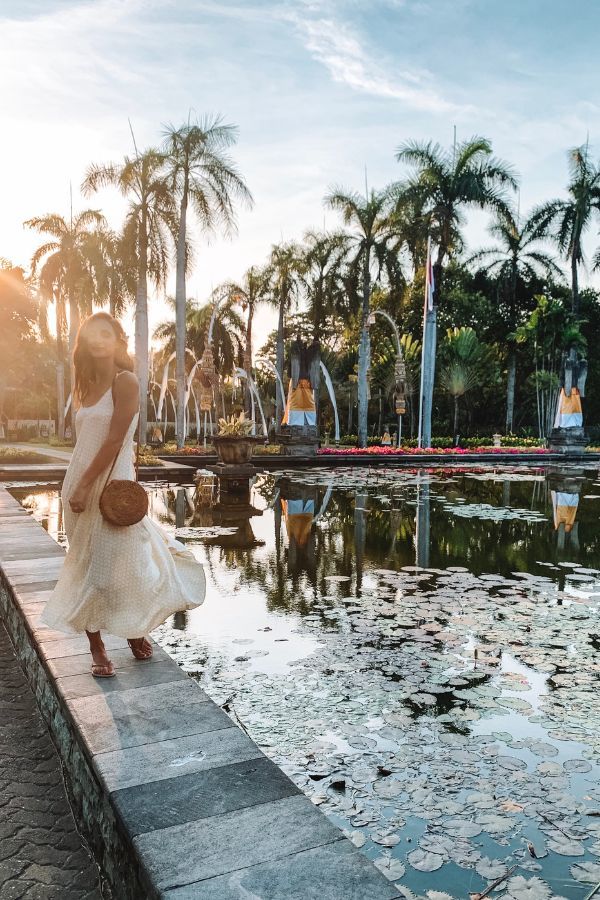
(126, 403)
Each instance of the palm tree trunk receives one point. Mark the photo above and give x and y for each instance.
(180, 311)
(74, 320)
(248, 362)
(60, 368)
(60, 399)
(364, 357)
(511, 376)
(455, 437)
(279, 361)
(574, 285)
(141, 329)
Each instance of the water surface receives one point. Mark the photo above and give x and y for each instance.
(419, 651)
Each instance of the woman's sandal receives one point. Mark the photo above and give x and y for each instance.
(106, 671)
(137, 651)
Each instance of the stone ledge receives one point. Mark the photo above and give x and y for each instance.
(175, 800)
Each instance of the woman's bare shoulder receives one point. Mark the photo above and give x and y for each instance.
(126, 384)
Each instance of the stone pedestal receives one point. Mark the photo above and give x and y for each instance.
(568, 440)
(298, 440)
(233, 504)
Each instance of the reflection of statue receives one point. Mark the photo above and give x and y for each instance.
(304, 377)
(298, 503)
(568, 435)
(566, 486)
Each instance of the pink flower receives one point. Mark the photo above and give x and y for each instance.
(433, 451)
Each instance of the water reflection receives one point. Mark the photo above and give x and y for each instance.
(298, 508)
(418, 650)
(565, 488)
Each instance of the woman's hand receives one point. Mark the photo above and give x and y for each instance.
(79, 498)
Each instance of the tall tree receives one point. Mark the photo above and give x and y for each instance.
(116, 271)
(371, 231)
(67, 275)
(566, 221)
(443, 184)
(285, 268)
(151, 217)
(323, 286)
(249, 293)
(466, 361)
(201, 175)
(228, 336)
(516, 256)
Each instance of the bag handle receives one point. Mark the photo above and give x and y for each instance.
(137, 454)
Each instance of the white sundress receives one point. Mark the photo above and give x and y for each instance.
(122, 580)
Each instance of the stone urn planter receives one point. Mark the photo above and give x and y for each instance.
(234, 450)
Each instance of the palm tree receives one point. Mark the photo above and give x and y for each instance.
(566, 221)
(515, 257)
(150, 218)
(249, 293)
(466, 359)
(322, 270)
(322, 282)
(445, 182)
(442, 185)
(369, 241)
(65, 266)
(285, 268)
(116, 271)
(201, 174)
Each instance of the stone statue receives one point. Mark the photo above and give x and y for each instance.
(304, 378)
(298, 431)
(568, 435)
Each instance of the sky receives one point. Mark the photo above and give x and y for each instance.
(321, 92)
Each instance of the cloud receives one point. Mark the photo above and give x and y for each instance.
(334, 45)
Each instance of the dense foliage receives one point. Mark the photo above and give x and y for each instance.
(507, 312)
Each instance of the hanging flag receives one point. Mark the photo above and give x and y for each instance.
(429, 279)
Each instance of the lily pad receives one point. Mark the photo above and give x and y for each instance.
(520, 888)
(425, 861)
(587, 872)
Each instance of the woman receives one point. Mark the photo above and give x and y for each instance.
(123, 580)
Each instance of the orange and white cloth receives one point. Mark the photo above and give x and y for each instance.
(299, 515)
(300, 408)
(568, 410)
(565, 506)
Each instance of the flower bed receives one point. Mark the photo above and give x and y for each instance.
(434, 451)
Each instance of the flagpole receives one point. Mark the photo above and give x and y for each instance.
(423, 344)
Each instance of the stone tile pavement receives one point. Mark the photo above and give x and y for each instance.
(42, 854)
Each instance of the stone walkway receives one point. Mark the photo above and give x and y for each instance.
(42, 855)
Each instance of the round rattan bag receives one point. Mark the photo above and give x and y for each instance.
(123, 502)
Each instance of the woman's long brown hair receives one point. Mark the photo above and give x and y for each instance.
(82, 361)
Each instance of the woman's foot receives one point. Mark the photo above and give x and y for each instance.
(102, 667)
(140, 647)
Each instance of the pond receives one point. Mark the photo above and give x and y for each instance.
(418, 650)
